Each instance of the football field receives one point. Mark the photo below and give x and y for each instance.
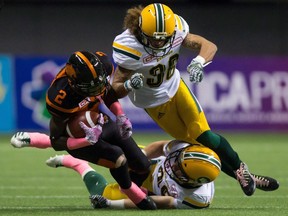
(29, 187)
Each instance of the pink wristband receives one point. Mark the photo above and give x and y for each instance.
(75, 143)
(116, 108)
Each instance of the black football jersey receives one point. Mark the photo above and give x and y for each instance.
(62, 101)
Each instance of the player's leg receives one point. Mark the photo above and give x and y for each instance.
(112, 157)
(30, 139)
(137, 161)
(232, 164)
(183, 118)
(95, 182)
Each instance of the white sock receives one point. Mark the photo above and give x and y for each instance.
(116, 204)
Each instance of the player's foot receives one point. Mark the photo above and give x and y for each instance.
(147, 204)
(20, 140)
(265, 183)
(56, 161)
(98, 201)
(245, 179)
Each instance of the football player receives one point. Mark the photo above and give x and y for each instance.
(146, 54)
(108, 195)
(182, 176)
(81, 85)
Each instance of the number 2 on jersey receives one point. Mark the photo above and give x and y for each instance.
(60, 96)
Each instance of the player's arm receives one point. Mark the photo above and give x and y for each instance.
(162, 202)
(168, 202)
(111, 101)
(163, 148)
(120, 76)
(122, 121)
(206, 48)
(60, 140)
(155, 149)
(57, 131)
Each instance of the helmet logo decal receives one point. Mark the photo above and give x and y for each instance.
(70, 70)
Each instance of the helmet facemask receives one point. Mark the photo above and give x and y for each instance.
(174, 170)
(94, 88)
(157, 51)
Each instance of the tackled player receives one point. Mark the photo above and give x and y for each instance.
(80, 86)
(182, 176)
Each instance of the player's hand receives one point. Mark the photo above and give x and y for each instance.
(124, 126)
(93, 133)
(195, 69)
(135, 82)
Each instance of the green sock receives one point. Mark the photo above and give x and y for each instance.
(95, 183)
(229, 158)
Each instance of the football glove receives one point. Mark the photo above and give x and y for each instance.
(93, 134)
(124, 126)
(195, 69)
(135, 82)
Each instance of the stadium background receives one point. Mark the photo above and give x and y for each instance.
(245, 88)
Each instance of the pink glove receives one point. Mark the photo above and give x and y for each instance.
(93, 134)
(124, 126)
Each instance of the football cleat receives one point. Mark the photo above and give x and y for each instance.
(98, 201)
(20, 140)
(245, 179)
(55, 161)
(265, 183)
(147, 204)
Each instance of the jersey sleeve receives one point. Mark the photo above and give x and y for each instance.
(188, 203)
(181, 25)
(173, 146)
(197, 198)
(125, 52)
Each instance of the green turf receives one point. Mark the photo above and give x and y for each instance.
(29, 187)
